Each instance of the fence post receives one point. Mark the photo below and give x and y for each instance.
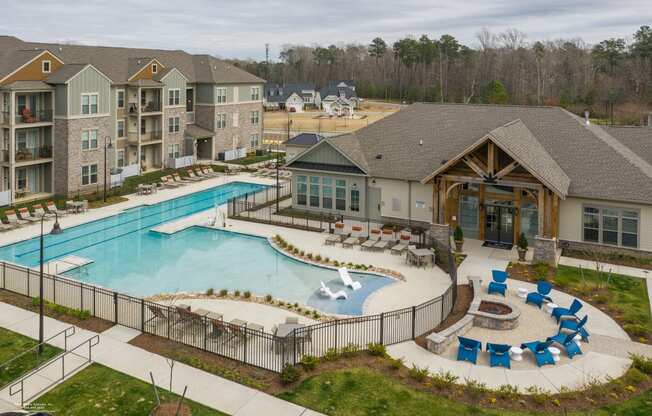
(81, 297)
(142, 315)
(294, 347)
(168, 321)
(336, 331)
(414, 315)
(115, 307)
(441, 317)
(4, 274)
(28, 282)
(244, 344)
(54, 291)
(93, 300)
(382, 327)
(205, 333)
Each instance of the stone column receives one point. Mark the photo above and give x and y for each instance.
(440, 233)
(545, 250)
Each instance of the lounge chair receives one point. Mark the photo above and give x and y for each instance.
(24, 214)
(331, 239)
(498, 285)
(575, 326)
(468, 349)
(559, 313)
(499, 355)
(387, 240)
(340, 231)
(192, 176)
(568, 342)
(168, 182)
(178, 179)
(374, 236)
(540, 351)
(403, 243)
(261, 172)
(7, 227)
(52, 209)
(355, 238)
(157, 313)
(70, 207)
(291, 320)
(347, 280)
(326, 291)
(201, 174)
(12, 218)
(39, 211)
(209, 171)
(543, 289)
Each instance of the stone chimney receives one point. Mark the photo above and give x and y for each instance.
(586, 117)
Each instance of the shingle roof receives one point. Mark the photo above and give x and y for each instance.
(304, 139)
(26, 86)
(65, 73)
(413, 143)
(197, 132)
(638, 139)
(121, 63)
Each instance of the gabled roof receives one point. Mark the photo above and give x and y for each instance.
(14, 58)
(637, 139)
(346, 148)
(137, 64)
(68, 72)
(27, 86)
(304, 139)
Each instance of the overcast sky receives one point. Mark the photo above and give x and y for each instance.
(240, 28)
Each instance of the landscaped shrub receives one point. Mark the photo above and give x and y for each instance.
(350, 350)
(236, 293)
(396, 363)
(636, 330)
(210, 291)
(327, 260)
(443, 379)
(507, 391)
(63, 310)
(458, 234)
(224, 292)
(634, 376)
(302, 253)
(331, 354)
(309, 362)
(418, 373)
(309, 255)
(247, 294)
(295, 251)
(642, 363)
(475, 389)
(318, 257)
(289, 374)
(268, 298)
(377, 350)
(541, 271)
(336, 263)
(315, 314)
(539, 395)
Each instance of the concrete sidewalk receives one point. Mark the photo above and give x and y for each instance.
(113, 351)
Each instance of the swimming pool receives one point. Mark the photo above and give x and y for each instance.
(130, 258)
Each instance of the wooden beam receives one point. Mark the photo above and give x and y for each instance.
(555, 216)
(442, 201)
(476, 159)
(481, 213)
(507, 169)
(517, 213)
(491, 157)
(481, 173)
(474, 179)
(540, 211)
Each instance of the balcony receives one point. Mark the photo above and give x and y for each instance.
(4, 117)
(150, 136)
(150, 107)
(33, 153)
(29, 117)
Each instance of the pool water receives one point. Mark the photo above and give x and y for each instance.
(131, 258)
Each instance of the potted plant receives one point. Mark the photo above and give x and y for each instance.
(458, 236)
(521, 247)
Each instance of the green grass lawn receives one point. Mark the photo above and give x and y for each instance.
(100, 390)
(367, 392)
(248, 160)
(13, 344)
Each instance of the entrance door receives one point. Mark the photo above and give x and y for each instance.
(499, 224)
(373, 201)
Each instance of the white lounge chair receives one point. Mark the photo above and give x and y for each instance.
(331, 239)
(52, 209)
(13, 219)
(403, 243)
(325, 291)
(192, 176)
(178, 179)
(24, 214)
(374, 236)
(39, 211)
(347, 280)
(387, 240)
(209, 171)
(356, 236)
(340, 231)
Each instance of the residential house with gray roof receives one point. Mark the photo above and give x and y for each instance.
(62, 104)
(495, 171)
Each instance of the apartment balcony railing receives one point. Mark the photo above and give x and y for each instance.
(150, 107)
(4, 117)
(33, 153)
(28, 116)
(150, 136)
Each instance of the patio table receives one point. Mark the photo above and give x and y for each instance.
(556, 352)
(76, 205)
(202, 312)
(238, 322)
(550, 306)
(516, 353)
(420, 256)
(522, 292)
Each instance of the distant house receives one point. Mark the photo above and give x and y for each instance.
(299, 143)
(294, 97)
(339, 98)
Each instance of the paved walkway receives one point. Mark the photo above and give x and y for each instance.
(114, 352)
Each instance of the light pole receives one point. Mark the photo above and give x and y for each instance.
(56, 229)
(107, 145)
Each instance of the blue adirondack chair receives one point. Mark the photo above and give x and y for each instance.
(576, 327)
(567, 341)
(540, 351)
(498, 284)
(498, 355)
(468, 349)
(559, 313)
(543, 289)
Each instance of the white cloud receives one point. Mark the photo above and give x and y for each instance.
(241, 28)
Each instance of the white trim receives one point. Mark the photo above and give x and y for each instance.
(84, 69)
(81, 103)
(145, 66)
(97, 139)
(30, 61)
(176, 106)
(43, 62)
(178, 90)
(154, 68)
(97, 174)
(82, 116)
(172, 70)
(124, 128)
(124, 98)
(223, 104)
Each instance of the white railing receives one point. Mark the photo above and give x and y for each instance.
(5, 198)
(181, 162)
(126, 171)
(235, 154)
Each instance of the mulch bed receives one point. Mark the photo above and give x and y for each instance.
(623, 260)
(462, 304)
(91, 324)
(170, 409)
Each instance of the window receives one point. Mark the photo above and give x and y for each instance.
(89, 103)
(302, 190)
(174, 97)
(176, 150)
(327, 193)
(143, 127)
(22, 103)
(255, 93)
(314, 191)
(154, 68)
(190, 100)
(613, 226)
(173, 151)
(255, 117)
(121, 158)
(355, 200)
(89, 139)
(46, 67)
(221, 121)
(220, 96)
(340, 194)
(254, 140)
(120, 129)
(21, 179)
(89, 174)
(121, 98)
(173, 125)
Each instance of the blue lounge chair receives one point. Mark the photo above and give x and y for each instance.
(576, 327)
(543, 289)
(498, 355)
(468, 349)
(498, 284)
(559, 313)
(540, 351)
(568, 342)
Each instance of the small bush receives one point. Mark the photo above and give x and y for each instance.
(302, 253)
(295, 251)
(309, 362)
(634, 376)
(268, 298)
(475, 389)
(377, 350)
(224, 292)
(331, 354)
(236, 293)
(336, 263)
(210, 291)
(417, 373)
(247, 294)
(396, 363)
(539, 395)
(315, 314)
(350, 350)
(541, 271)
(327, 260)
(444, 379)
(309, 255)
(522, 242)
(289, 374)
(636, 330)
(318, 257)
(507, 392)
(642, 363)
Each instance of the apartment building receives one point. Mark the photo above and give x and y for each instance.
(64, 107)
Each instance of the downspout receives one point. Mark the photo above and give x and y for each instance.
(409, 202)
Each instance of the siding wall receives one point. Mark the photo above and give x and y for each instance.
(61, 100)
(352, 182)
(88, 81)
(175, 80)
(326, 154)
(205, 93)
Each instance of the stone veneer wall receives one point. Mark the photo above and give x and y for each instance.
(441, 233)
(69, 156)
(173, 138)
(545, 251)
(599, 248)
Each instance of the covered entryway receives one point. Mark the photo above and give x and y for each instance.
(202, 142)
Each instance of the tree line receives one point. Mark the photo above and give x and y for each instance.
(612, 78)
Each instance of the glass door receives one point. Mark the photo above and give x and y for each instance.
(499, 224)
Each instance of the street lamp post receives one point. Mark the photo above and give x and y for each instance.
(56, 229)
(107, 145)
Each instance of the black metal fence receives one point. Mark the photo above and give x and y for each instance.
(252, 347)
